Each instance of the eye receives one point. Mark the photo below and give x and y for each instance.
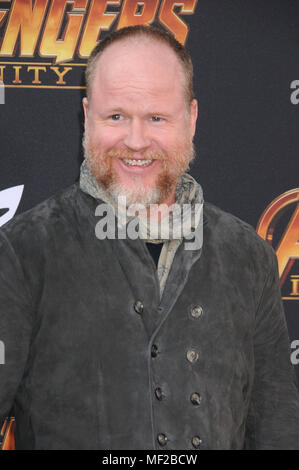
(116, 117)
(156, 119)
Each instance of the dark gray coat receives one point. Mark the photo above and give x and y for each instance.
(88, 368)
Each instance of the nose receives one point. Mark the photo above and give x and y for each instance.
(136, 138)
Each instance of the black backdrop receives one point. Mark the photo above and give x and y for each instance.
(246, 62)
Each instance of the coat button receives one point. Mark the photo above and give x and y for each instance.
(162, 439)
(195, 399)
(154, 350)
(196, 311)
(138, 306)
(192, 355)
(159, 394)
(196, 441)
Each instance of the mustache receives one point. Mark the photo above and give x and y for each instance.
(129, 154)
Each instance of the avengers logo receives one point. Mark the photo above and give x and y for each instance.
(63, 31)
(280, 221)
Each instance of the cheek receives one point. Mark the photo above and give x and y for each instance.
(104, 137)
(174, 145)
(173, 139)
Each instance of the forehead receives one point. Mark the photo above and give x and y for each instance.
(134, 70)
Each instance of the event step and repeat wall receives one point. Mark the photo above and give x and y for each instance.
(246, 67)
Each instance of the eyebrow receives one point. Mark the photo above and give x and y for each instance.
(117, 110)
(112, 111)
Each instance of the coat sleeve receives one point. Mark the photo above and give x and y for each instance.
(15, 324)
(273, 417)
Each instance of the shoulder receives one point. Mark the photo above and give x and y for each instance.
(45, 219)
(236, 237)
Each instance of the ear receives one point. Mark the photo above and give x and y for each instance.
(193, 115)
(85, 107)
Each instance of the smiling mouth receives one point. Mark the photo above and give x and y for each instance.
(139, 162)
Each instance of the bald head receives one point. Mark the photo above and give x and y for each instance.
(153, 40)
(134, 67)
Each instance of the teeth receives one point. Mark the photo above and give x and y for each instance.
(137, 162)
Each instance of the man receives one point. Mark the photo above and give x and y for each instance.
(145, 342)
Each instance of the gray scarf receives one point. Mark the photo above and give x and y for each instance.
(188, 192)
